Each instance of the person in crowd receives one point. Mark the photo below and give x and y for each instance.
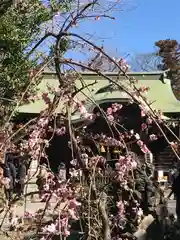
(176, 191)
(20, 178)
(172, 176)
(62, 172)
(8, 187)
(9, 172)
(9, 163)
(42, 179)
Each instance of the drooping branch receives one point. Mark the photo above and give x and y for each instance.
(104, 216)
(61, 34)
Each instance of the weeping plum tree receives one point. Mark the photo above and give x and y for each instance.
(105, 197)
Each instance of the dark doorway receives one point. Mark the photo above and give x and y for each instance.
(59, 152)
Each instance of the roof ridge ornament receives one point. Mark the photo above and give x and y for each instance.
(164, 77)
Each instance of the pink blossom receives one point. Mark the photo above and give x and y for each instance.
(118, 166)
(116, 107)
(110, 118)
(123, 64)
(121, 158)
(144, 149)
(143, 126)
(109, 111)
(46, 98)
(153, 137)
(42, 122)
(123, 166)
(60, 131)
(89, 116)
(73, 203)
(72, 214)
(143, 113)
(140, 143)
(66, 233)
(149, 120)
(134, 164)
(82, 109)
(121, 209)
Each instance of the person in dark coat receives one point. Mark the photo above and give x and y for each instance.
(176, 192)
(9, 163)
(10, 173)
(20, 178)
(9, 188)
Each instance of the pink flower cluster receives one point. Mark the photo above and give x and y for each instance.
(111, 110)
(65, 195)
(60, 131)
(46, 98)
(123, 64)
(143, 146)
(153, 137)
(35, 139)
(120, 219)
(109, 141)
(61, 225)
(83, 111)
(121, 209)
(124, 165)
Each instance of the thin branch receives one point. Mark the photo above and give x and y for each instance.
(104, 217)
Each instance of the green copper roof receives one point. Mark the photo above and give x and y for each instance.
(160, 93)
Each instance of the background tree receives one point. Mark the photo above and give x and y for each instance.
(4, 5)
(146, 62)
(169, 51)
(20, 29)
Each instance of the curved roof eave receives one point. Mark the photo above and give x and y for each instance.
(160, 94)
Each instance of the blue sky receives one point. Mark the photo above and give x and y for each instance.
(137, 26)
